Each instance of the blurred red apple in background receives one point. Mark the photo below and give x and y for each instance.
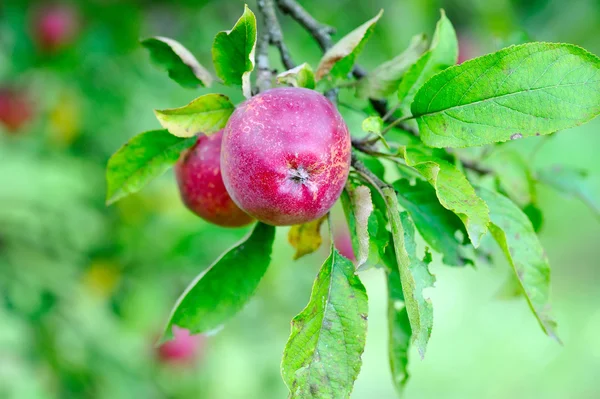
(54, 26)
(183, 349)
(15, 109)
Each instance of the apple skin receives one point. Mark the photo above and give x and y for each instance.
(15, 109)
(343, 241)
(183, 349)
(198, 175)
(286, 156)
(55, 26)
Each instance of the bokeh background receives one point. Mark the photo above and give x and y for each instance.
(85, 289)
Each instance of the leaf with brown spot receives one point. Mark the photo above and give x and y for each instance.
(306, 238)
(322, 357)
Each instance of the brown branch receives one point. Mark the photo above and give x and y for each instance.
(273, 29)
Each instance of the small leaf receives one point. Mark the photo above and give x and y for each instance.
(514, 233)
(339, 60)
(436, 224)
(177, 60)
(144, 157)
(453, 190)
(301, 76)
(414, 273)
(322, 357)
(570, 181)
(363, 206)
(398, 328)
(206, 114)
(384, 79)
(306, 238)
(521, 91)
(233, 52)
(223, 289)
(442, 53)
(374, 124)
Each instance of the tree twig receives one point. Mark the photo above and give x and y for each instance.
(321, 32)
(264, 75)
(273, 29)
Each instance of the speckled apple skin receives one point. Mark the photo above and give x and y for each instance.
(201, 186)
(286, 156)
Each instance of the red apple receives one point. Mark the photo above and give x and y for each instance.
(15, 109)
(285, 156)
(201, 186)
(184, 348)
(55, 26)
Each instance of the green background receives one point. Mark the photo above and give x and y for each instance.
(85, 289)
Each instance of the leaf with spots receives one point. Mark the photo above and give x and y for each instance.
(144, 157)
(570, 181)
(322, 357)
(442, 53)
(180, 64)
(453, 190)
(306, 238)
(513, 231)
(207, 114)
(222, 290)
(300, 76)
(339, 60)
(520, 91)
(414, 272)
(233, 52)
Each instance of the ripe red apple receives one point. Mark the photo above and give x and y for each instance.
(55, 26)
(183, 349)
(198, 174)
(285, 156)
(15, 109)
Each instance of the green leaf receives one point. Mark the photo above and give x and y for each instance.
(233, 52)
(442, 53)
(414, 273)
(453, 190)
(322, 357)
(514, 176)
(206, 114)
(570, 181)
(300, 76)
(436, 224)
(362, 209)
(374, 124)
(306, 238)
(384, 79)
(521, 91)
(223, 289)
(339, 60)
(398, 330)
(144, 157)
(177, 60)
(514, 233)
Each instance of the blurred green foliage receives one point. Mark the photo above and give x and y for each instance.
(85, 289)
